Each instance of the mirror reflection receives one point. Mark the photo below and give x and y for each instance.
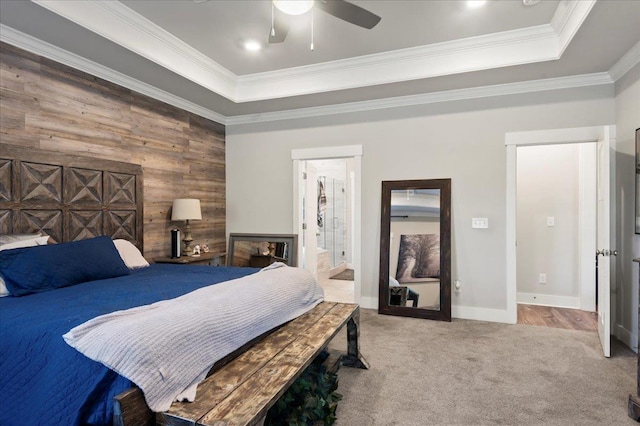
(414, 252)
(415, 256)
(260, 250)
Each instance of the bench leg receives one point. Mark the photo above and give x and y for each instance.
(354, 358)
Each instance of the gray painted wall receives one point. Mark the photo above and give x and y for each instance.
(548, 178)
(627, 105)
(461, 140)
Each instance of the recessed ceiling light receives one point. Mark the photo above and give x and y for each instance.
(472, 4)
(530, 2)
(252, 45)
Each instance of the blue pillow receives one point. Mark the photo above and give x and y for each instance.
(37, 269)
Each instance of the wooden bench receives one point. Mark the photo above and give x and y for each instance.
(241, 390)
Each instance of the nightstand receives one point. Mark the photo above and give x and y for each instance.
(214, 259)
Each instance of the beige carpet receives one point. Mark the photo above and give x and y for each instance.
(471, 373)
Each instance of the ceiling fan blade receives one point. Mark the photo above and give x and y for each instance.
(349, 12)
(281, 27)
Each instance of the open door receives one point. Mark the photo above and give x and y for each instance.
(604, 251)
(310, 219)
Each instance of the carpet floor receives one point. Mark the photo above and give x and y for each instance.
(480, 373)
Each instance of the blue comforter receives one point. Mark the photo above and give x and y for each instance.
(43, 381)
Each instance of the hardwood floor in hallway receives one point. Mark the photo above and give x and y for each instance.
(549, 316)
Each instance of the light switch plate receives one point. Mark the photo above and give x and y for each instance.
(551, 221)
(480, 222)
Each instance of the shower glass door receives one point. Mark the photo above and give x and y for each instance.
(331, 218)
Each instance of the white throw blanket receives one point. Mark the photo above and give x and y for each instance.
(168, 347)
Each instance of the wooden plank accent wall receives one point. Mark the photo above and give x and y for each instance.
(47, 105)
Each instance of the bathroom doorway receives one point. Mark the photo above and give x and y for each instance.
(327, 207)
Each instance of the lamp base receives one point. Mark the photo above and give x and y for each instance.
(187, 240)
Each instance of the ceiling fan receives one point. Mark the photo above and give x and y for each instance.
(341, 9)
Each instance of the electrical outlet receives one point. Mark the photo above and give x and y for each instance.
(457, 286)
(542, 279)
(551, 221)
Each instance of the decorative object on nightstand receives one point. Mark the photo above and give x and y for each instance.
(186, 209)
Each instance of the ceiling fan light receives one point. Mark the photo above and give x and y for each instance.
(473, 4)
(293, 7)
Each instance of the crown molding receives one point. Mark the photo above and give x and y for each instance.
(624, 64)
(428, 98)
(49, 51)
(489, 51)
(116, 22)
(121, 25)
(568, 18)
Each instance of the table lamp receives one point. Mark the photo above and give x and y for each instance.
(186, 209)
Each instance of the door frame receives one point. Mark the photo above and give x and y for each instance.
(324, 153)
(529, 138)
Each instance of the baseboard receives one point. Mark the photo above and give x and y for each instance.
(626, 337)
(461, 312)
(548, 300)
(480, 314)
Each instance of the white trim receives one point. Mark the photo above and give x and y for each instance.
(535, 137)
(587, 207)
(509, 48)
(49, 51)
(511, 235)
(352, 151)
(120, 24)
(549, 300)
(554, 136)
(558, 83)
(457, 312)
(480, 314)
(568, 18)
(327, 152)
(624, 64)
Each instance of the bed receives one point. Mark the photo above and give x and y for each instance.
(75, 199)
(56, 382)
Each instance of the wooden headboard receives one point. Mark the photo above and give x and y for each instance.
(69, 197)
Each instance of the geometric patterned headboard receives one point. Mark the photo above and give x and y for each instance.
(69, 197)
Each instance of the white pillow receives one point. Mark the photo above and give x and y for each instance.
(130, 254)
(393, 281)
(3, 288)
(24, 240)
(10, 238)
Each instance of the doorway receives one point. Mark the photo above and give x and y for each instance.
(327, 220)
(556, 226)
(604, 137)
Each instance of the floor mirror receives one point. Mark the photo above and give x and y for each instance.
(415, 249)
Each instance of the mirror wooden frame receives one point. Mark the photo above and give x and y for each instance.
(444, 185)
(290, 239)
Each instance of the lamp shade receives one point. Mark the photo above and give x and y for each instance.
(186, 209)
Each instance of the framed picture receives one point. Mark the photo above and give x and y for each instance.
(419, 258)
(638, 181)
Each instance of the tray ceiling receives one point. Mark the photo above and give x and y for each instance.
(191, 53)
